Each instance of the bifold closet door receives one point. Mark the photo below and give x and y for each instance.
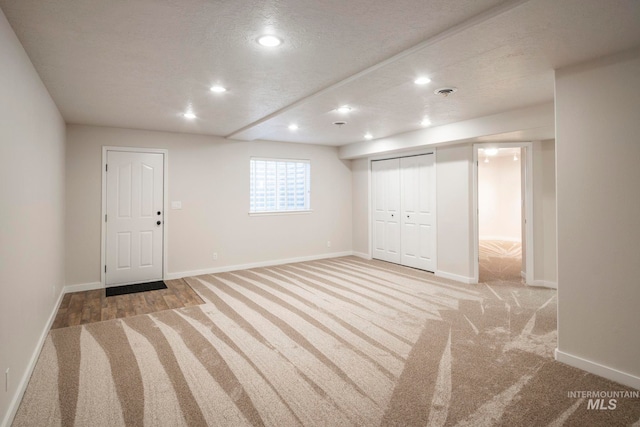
(386, 209)
(417, 178)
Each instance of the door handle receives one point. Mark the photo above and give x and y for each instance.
(159, 213)
(159, 222)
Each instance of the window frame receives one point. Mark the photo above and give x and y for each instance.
(307, 178)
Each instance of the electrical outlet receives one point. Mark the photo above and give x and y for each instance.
(328, 243)
(215, 256)
(6, 380)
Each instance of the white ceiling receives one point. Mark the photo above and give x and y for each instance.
(140, 64)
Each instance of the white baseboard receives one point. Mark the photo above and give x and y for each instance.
(598, 369)
(82, 287)
(456, 277)
(361, 255)
(180, 275)
(24, 381)
(545, 284)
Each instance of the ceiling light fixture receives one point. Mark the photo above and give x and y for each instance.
(218, 89)
(293, 126)
(189, 115)
(425, 122)
(422, 80)
(344, 109)
(368, 136)
(269, 40)
(490, 151)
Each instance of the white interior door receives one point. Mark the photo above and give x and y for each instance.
(135, 217)
(418, 244)
(386, 209)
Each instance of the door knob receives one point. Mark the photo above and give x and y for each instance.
(159, 213)
(391, 215)
(159, 222)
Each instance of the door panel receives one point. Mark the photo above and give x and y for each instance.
(123, 189)
(386, 209)
(418, 198)
(134, 197)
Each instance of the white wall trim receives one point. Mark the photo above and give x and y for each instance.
(82, 287)
(181, 274)
(362, 255)
(24, 381)
(545, 284)
(598, 369)
(456, 277)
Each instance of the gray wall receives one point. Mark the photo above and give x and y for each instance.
(598, 178)
(544, 213)
(360, 191)
(210, 176)
(32, 146)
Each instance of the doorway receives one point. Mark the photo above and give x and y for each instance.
(503, 213)
(133, 216)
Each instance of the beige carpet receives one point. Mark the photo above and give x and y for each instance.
(329, 343)
(500, 261)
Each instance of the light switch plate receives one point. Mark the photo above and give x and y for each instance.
(176, 205)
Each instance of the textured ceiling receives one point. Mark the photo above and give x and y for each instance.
(141, 64)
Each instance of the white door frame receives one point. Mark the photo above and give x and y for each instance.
(165, 195)
(528, 202)
(397, 155)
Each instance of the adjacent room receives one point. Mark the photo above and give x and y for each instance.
(500, 214)
(291, 212)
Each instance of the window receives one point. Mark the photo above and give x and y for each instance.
(279, 185)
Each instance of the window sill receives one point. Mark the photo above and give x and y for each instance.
(271, 213)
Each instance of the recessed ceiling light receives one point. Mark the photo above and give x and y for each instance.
(293, 126)
(490, 151)
(422, 80)
(189, 115)
(368, 136)
(425, 122)
(343, 109)
(218, 89)
(269, 41)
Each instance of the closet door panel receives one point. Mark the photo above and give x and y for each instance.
(418, 200)
(386, 209)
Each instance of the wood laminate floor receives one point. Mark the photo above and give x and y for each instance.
(79, 308)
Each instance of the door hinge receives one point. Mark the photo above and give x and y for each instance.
(106, 167)
(105, 217)
(105, 268)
